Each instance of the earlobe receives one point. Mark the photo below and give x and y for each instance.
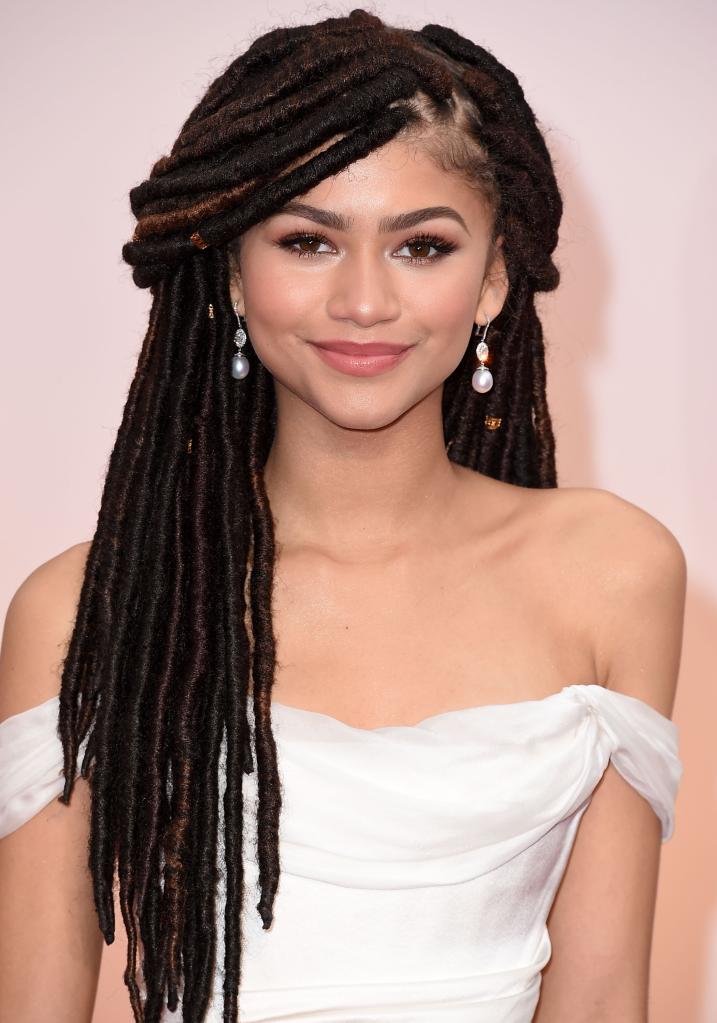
(237, 295)
(495, 286)
(236, 289)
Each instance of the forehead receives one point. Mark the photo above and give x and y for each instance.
(400, 176)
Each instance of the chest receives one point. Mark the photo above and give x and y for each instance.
(397, 641)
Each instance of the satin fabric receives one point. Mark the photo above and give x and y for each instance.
(419, 863)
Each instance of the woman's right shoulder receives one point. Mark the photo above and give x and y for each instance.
(38, 625)
(50, 940)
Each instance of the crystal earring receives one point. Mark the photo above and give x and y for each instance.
(482, 379)
(240, 363)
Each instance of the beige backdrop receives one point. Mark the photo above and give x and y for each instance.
(95, 92)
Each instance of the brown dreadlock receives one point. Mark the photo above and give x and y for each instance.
(174, 617)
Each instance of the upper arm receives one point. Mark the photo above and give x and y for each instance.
(50, 940)
(602, 918)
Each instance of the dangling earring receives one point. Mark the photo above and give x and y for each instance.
(482, 379)
(240, 363)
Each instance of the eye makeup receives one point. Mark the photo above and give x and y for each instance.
(421, 239)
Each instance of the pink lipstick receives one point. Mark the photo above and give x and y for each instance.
(361, 359)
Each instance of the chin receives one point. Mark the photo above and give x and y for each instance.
(376, 415)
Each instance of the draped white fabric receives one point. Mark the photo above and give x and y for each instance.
(30, 763)
(419, 863)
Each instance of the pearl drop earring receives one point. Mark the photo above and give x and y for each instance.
(482, 379)
(240, 363)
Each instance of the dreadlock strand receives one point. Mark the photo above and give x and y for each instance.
(158, 587)
(73, 723)
(149, 255)
(263, 661)
(234, 521)
(341, 154)
(115, 619)
(188, 339)
(156, 809)
(513, 467)
(372, 76)
(263, 154)
(177, 840)
(250, 116)
(546, 464)
(269, 49)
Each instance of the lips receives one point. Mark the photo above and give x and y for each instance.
(362, 360)
(361, 348)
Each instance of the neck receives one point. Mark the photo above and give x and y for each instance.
(360, 494)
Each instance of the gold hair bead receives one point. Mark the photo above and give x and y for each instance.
(210, 311)
(196, 239)
(492, 422)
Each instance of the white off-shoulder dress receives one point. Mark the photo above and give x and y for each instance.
(419, 863)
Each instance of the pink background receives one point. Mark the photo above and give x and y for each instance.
(94, 93)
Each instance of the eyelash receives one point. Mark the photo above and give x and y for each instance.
(443, 247)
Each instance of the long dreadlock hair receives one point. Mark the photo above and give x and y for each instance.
(173, 634)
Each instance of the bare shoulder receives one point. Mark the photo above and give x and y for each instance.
(631, 574)
(627, 536)
(604, 534)
(38, 625)
(50, 940)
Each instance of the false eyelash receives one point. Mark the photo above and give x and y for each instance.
(438, 243)
(443, 247)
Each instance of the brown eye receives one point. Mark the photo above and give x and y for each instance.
(424, 246)
(311, 244)
(304, 245)
(423, 243)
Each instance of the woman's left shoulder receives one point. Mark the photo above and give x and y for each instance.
(634, 576)
(629, 541)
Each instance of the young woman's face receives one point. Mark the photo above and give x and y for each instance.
(338, 273)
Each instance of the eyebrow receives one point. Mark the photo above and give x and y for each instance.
(400, 222)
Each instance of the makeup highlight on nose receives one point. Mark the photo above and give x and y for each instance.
(399, 222)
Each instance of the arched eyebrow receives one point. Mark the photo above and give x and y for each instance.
(399, 222)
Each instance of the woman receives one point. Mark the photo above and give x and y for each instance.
(346, 666)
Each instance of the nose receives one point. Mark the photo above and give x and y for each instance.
(363, 289)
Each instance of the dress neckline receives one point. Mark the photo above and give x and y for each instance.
(481, 708)
(582, 690)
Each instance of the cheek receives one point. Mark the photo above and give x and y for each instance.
(277, 299)
(279, 312)
(446, 311)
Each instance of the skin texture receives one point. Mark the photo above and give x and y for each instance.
(406, 585)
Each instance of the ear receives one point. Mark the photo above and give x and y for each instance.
(236, 287)
(495, 285)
